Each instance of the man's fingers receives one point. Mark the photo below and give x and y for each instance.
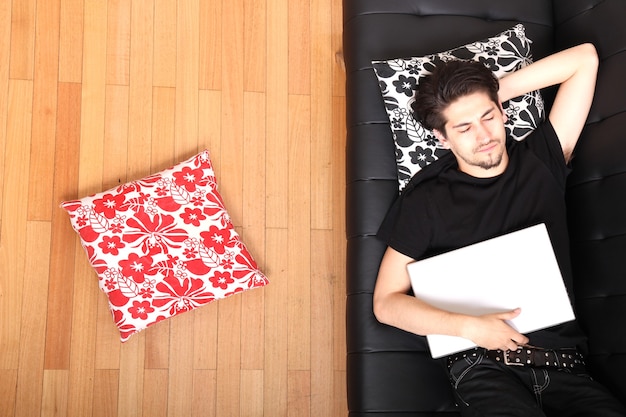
(518, 342)
(508, 345)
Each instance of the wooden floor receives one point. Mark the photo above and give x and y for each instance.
(94, 93)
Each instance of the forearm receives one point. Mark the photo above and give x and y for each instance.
(415, 316)
(393, 306)
(575, 70)
(552, 70)
(410, 314)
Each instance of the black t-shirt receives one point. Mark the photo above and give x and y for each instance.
(443, 209)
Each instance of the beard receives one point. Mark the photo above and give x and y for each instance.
(490, 161)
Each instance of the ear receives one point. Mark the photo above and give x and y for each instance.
(441, 138)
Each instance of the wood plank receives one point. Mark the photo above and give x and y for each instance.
(300, 47)
(54, 397)
(131, 377)
(64, 239)
(339, 66)
(163, 127)
(33, 320)
(299, 394)
(251, 399)
(210, 126)
(187, 63)
(205, 337)
(71, 41)
(322, 323)
(180, 383)
(93, 98)
(14, 207)
(115, 147)
(252, 329)
(107, 354)
(276, 329)
(140, 93)
(44, 110)
(299, 255)
(211, 44)
(164, 70)
(155, 385)
(229, 356)
(340, 396)
(118, 42)
(5, 53)
(232, 109)
(255, 45)
(321, 115)
(83, 339)
(339, 228)
(204, 389)
(277, 131)
(253, 184)
(22, 39)
(8, 385)
(106, 383)
(157, 349)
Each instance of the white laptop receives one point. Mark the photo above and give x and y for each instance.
(518, 269)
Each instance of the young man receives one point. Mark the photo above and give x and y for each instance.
(488, 186)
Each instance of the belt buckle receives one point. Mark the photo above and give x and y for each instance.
(508, 361)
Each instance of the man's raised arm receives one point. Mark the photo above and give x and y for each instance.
(575, 70)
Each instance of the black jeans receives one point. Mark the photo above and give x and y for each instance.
(485, 388)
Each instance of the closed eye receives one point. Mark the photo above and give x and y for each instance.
(466, 127)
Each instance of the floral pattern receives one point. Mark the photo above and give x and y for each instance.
(163, 245)
(416, 146)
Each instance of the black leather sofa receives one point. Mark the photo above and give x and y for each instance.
(390, 372)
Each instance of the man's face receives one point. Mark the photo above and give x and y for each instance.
(475, 134)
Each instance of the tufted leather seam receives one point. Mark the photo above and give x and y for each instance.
(574, 16)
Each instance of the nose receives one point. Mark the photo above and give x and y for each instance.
(482, 134)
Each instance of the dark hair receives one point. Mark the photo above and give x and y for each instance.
(448, 82)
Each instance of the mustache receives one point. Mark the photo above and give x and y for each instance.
(488, 144)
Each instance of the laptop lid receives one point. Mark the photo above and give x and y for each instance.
(518, 269)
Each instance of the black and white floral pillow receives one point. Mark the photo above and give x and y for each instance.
(416, 146)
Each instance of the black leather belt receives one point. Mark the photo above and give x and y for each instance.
(530, 356)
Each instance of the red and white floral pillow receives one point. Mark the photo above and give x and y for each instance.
(163, 245)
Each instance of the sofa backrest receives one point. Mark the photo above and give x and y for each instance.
(596, 195)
